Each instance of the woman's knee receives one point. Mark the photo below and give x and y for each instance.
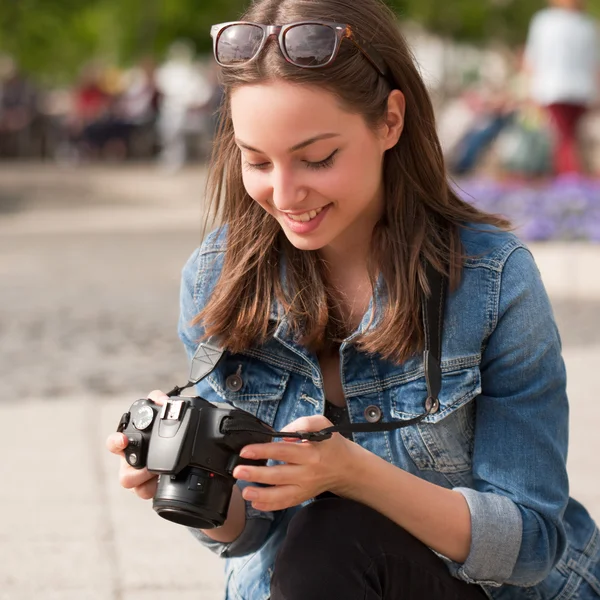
(330, 520)
(324, 526)
(339, 530)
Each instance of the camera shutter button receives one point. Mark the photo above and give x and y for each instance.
(373, 414)
(234, 383)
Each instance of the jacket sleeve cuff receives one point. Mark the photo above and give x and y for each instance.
(256, 531)
(496, 534)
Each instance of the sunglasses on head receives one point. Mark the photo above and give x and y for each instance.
(305, 44)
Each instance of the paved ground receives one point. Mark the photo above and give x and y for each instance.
(89, 273)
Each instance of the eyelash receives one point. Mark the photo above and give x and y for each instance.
(315, 166)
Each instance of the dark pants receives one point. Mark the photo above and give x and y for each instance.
(566, 118)
(337, 548)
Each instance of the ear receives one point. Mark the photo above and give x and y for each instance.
(394, 121)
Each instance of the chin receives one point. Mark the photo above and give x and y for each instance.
(305, 243)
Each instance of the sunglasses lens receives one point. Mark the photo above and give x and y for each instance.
(238, 44)
(310, 45)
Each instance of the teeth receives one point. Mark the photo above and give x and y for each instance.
(305, 217)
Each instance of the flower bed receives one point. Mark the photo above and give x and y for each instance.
(567, 208)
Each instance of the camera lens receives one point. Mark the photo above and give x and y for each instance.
(195, 498)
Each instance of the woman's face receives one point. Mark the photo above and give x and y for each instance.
(313, 166)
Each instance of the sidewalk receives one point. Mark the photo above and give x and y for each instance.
(71, 533)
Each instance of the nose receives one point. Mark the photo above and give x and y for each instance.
(288, 193)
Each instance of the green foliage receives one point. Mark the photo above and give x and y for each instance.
(54, 38)
(477, 21)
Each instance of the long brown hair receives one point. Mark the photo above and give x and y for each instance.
(422, 214)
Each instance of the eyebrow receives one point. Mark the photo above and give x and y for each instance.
(300, 146)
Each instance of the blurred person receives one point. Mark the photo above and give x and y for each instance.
(91, 100)
(18, 109)
(493, 110)
(562, 59)
(138, 108)
(90, 104)
(339, 229)
(131, 117)
(183, 90)
(139, 101)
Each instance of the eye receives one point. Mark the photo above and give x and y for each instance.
(256, 166)
(322, 164)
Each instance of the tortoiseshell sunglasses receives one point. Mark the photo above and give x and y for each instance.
(305, 44)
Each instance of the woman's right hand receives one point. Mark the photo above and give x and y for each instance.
(140, 481)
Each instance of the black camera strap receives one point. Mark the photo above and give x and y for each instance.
(433, 322)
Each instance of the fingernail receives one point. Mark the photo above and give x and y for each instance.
(241, 473)
(247, 453)
(250, 494)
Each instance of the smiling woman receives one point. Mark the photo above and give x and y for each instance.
(338, 226)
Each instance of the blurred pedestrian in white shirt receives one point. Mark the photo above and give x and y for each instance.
(562, 57)
(183, 88)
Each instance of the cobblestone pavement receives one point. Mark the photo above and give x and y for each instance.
(89, 283)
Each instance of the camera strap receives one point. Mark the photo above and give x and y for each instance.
(209, 354)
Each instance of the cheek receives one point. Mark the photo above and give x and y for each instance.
(360, 176)
(257, 188)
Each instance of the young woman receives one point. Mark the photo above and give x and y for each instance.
(329, 179)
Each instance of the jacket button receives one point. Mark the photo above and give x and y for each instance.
(432, 405)
(373, 414)
(234, 383)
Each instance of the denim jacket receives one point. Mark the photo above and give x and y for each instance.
(499, 437)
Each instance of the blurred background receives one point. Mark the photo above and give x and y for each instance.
(107, 111)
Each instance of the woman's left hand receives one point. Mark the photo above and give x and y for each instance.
(310, 468)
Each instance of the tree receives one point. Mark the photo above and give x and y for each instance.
(53, 38)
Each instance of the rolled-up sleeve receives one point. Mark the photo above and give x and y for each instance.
(198, 278)
(256, 531)
(520, 485)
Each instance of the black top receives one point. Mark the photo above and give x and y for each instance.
(338, 415)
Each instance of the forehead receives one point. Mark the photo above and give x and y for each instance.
(285, 113)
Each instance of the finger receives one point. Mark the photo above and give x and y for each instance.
(276, 475)
(283, 451)
(314, 423)
(158, 396)
(278, 497)
(130, 478)
(147, 490)
(116, 443)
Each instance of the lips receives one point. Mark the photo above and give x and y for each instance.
(306, 223)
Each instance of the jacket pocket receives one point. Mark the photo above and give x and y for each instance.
(443, 442)
(250, 384)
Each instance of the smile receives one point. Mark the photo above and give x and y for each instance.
(305, 217)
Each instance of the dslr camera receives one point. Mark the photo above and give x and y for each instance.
(193, 445)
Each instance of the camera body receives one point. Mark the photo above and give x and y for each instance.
(193, 445)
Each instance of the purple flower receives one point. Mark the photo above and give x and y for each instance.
(567, 208)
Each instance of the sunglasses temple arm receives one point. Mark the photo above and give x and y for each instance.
(372, 56)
